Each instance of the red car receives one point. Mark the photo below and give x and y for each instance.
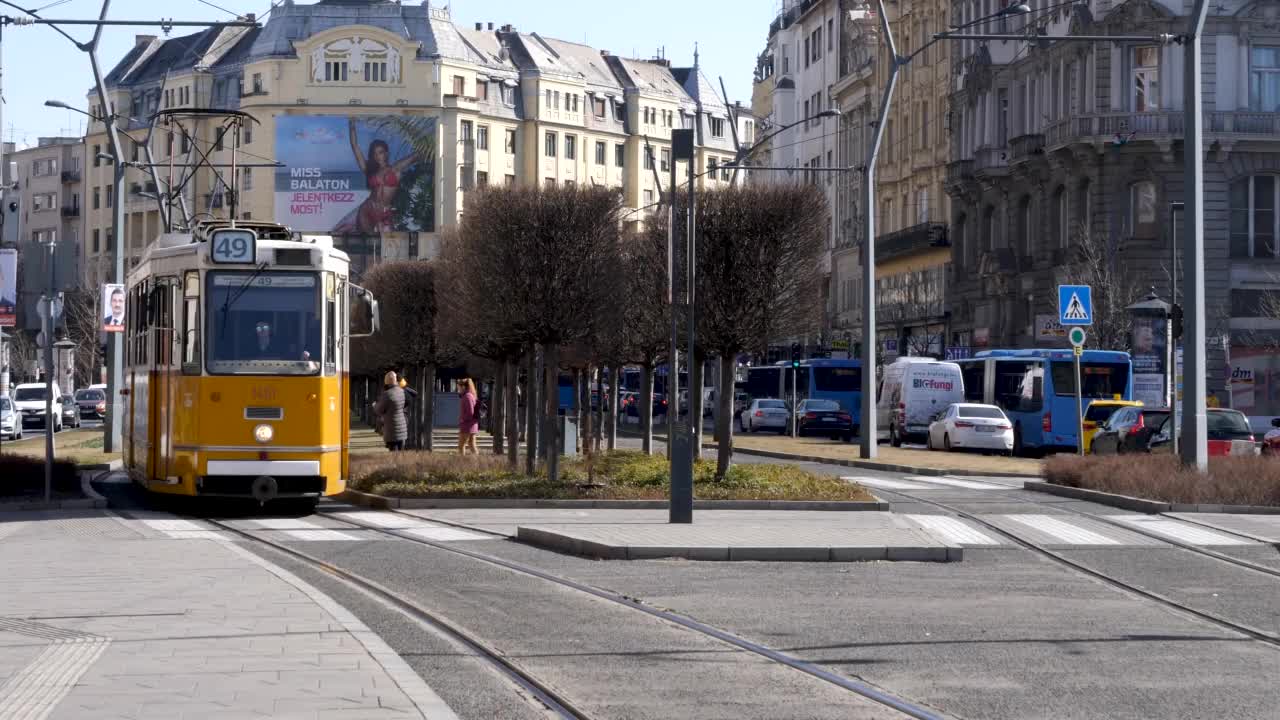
(1228, 430)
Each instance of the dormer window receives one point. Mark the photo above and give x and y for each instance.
(355, 59)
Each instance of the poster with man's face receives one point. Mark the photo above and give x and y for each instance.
(8, 287)
(112, 308)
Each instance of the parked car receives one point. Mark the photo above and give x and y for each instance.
(1271, 441)
(970, 426)
(70, 412)
(88, 399)
(10, 423)
(913, 392)
(30, 400)
(1098, 413)
(765, 414)
(824, 417)
(629, 402)
(1228, 430)
(1129, 429)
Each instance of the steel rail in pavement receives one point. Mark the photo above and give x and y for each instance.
(854, 685)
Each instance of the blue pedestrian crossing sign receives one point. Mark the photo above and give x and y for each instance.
(1075, 305)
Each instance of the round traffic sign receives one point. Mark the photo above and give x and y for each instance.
(1076, 335)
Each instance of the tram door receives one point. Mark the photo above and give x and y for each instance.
(163, 383)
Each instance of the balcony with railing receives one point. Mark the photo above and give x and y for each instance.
(1123, 127)
(917, 238)
(70, 176)
(70, 211)
(960, 172)
(991, 161)
(1025, 147)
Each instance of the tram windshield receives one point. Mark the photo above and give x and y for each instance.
(264, 323)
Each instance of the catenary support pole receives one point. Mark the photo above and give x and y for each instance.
(1194, 451)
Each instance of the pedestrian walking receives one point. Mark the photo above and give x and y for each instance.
(390, 411)
(468, 418)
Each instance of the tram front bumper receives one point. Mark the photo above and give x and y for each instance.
(262, 480)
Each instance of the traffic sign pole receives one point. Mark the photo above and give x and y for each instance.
(1075, 310)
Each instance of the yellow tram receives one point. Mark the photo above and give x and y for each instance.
(236, 363)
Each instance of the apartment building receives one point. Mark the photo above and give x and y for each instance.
(337, 88)
(49, 197)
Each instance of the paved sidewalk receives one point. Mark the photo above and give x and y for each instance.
(106, 617)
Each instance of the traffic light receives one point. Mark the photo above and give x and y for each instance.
(796, 352)
(1175, 314)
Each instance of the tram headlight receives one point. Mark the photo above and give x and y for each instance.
(263, 433)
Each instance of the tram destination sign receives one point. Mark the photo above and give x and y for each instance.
(233, 246)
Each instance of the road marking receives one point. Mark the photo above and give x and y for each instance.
(303, 529)
(35, 691)
(953, 530)
(1184, 532)
(953, 482)
(319, 535)
(172, 526)
(1066, 532)
(197, 535)
(390, 521)
(885, 484)
(445, 534)
(284, 524)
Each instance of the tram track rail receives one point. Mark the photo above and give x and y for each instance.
(1261, 636)
(851, 684)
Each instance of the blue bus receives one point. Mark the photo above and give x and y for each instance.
(818, 378)
(1037, 390)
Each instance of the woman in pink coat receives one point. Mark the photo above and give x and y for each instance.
(468, 419)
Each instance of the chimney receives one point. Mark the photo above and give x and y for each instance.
(490, 26)
(508, 28)
(604, 53)
(479, 26)
(143, 39)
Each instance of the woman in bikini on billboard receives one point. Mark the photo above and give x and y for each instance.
(376, 214)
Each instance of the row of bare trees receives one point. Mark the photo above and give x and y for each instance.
(535, 281)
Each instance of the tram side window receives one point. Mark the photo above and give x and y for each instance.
(191, 325)
(162, 320)
(331, 324)
(141, 323)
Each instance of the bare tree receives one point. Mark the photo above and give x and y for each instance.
(641, 336)
(758, 255)
(1094, 262)
(408, 342)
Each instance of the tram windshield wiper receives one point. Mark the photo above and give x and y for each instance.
(233, 297)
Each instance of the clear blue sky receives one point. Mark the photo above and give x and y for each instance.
(39, 64)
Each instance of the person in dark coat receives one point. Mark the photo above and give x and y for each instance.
(390, 410)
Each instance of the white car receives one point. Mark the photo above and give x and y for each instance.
(966, 426)
(10, 423)
(766, 414)
(30, 400)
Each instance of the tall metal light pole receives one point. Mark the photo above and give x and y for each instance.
(1195, 450)
(680, 444)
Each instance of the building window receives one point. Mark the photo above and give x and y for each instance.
(97, 161)
(247, 182)
(335, 71)
(482, 90)
(648, 158)
(600, 153)
(509, 144)
(508, 96)
(1026, 226)
(482, 137)
(110, 195)
(549, 148)
(248, 132)
(1264, 79)
(482, 178)
(548, 100)
(97, 199)
(568, 183)
(257, 85)
(571, 147)
(619, 111)
(1142, 208)
(467, 130)
(459, 85)
(375, 72)
(666, 159)
(1060, 216)
(619, 155)
(806, 52)
(713, 164)
(989, 228)
(555, 94)
(597, 107)
(97, 240)
(576, 107)
(549, 182)
(1146, 79)
(1083, 209)
(510, 180)
(648, 198)
(1254, 220)
(717, 127)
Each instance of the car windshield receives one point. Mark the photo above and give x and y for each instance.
(268, 324)
(1228, 423)
(1100, 413)
(821, 405)
(1154, 418)
(89, 395)
(971, 411)
(28, 394)
(772, 404)
(4, 404)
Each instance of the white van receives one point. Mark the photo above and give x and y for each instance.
(912, 393)
(29, 403)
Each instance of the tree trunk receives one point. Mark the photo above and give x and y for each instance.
(615, 390)
(498, 409)
(532, 431)
(696, 365)
(724, 417)
(551, 353)
(585, 414)
(579, 408)
(645, 410)
(512, 372)
(601, 400)
(427, 398)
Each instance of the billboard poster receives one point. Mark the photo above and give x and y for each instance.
(8, 287)
(113, 307)
(1148, 346)
(1048, 329)
(358, 175)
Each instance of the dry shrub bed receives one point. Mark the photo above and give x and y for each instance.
(619, 475)
(1230, 481)
(22, 475)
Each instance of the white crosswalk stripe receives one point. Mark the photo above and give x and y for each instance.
(1180, 531)
(884, 483)
(955, 482)
(445, 534)
(386, 520)
(954, 530)
(1059, 529)
(178, 529)
(319, 535)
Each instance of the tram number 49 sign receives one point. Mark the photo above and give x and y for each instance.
(234, 246)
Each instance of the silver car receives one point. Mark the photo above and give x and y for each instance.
(765, 414)
(10, 425)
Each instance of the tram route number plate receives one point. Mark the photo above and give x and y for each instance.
(233, 246)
